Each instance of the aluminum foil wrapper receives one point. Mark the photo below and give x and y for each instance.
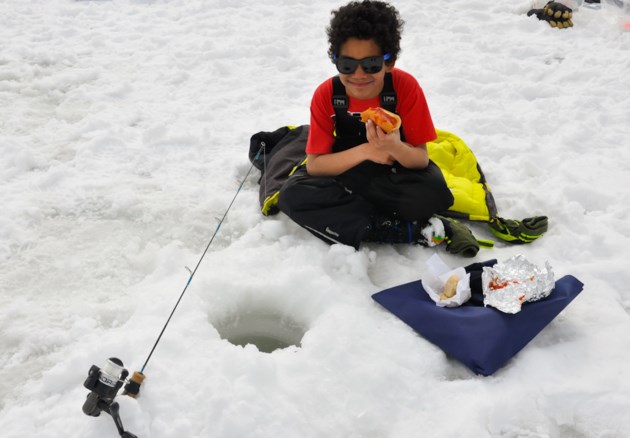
(507, 285)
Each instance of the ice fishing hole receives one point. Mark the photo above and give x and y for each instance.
(267, 331)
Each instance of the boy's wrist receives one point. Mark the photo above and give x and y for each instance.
(364, 151)
(397, 148)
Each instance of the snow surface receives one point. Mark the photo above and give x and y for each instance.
(124, 131)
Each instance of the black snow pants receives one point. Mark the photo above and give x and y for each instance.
(341, 209)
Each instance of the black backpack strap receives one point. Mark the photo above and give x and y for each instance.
(339, 98)
(388, 95)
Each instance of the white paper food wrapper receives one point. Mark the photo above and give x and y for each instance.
(507, 285)
(435, 277)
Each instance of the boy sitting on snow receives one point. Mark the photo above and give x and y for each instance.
(361, 184)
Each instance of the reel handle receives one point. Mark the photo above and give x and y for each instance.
(133, 387)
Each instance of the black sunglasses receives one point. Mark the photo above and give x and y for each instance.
(370, 65)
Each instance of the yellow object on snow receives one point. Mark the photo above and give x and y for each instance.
(473, 199)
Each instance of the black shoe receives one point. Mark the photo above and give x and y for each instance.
(389, 230)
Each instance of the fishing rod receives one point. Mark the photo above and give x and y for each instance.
(104, 383)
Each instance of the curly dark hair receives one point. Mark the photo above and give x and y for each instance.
(366, 20)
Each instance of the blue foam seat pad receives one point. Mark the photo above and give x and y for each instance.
(482, 338)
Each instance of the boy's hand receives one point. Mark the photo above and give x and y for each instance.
(377, 148)
(390, 144)
(377, 155)
(379, 139)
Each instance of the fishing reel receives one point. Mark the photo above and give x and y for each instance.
(104, 384)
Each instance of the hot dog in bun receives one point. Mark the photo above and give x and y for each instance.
(384, 119)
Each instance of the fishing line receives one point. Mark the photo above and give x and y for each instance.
(105, 382)
(192, 273)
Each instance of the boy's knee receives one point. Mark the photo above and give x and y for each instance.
(302, 192)
(429, 198)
